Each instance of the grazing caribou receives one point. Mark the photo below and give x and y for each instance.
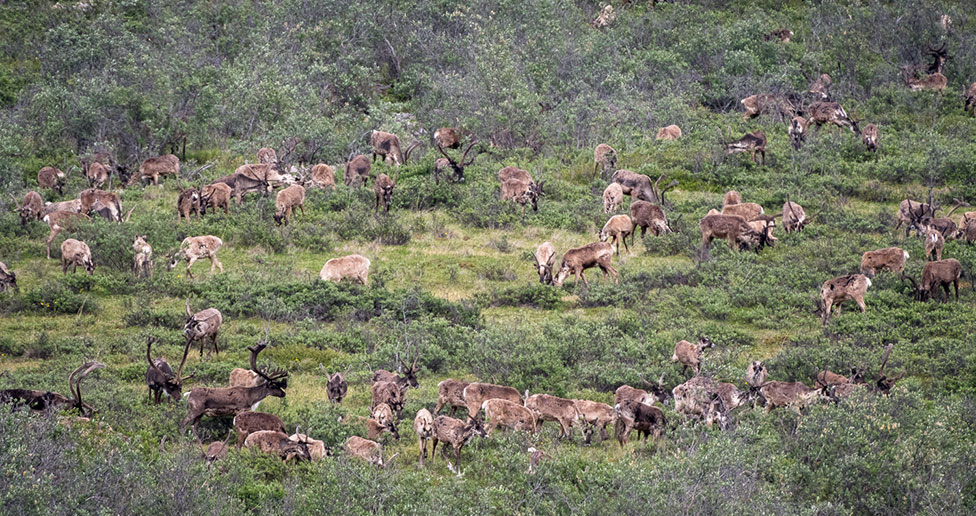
(160, 377)
(228, 401)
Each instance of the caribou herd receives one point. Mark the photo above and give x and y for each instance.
(489, 407)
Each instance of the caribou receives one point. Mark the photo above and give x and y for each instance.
(228, 401)
(42, 401)
(456, 166)
(160, 377)
(201, 326)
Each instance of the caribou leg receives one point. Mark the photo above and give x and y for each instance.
(189, 263)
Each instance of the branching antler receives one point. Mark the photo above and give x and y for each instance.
(74, 384)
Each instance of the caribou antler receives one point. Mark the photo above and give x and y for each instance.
(271, 375)
(74, 384)
(884, 358)
(958, 204)
(127, 215)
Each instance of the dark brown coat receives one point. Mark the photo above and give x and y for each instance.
(646, 419)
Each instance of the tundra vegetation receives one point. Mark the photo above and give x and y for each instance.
(452, 268)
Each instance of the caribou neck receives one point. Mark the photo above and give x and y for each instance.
(257, 393)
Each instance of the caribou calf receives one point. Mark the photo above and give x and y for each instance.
(787, 394)
(188, 203)
(278, 443)
(316, 448)
(613, 195)
(201, 326)
(840, 289)
(626, 392)
(89, 197)
(577, 260)
(213, 196)
(142, 262)
(519, 187)
(75, 253)
(794, 218)
(604, 160)
(646, 215)
(354, 267)
(753, 143)
(287, 201)
(670, 133)
(455, 432)
(195, 248)
(506, 414)
(889, 258)
(798, 131)
(365, 449)
(690, 355)
(731, 227)
(97, 173)
(383, 188)
(59, 221)
(336, 388)
(247, 423)
(160, 378)
(731, 197)
(322, 176)
(756, 374)
(934, 243)
(30, 208)
(618, 228)
(870, 137)
(389, 393)
(546, 407)
(423, 427)
(8, 280)
(971, 99)
(152, 168)
(50, 177)
(831, 113)
(357, 171)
